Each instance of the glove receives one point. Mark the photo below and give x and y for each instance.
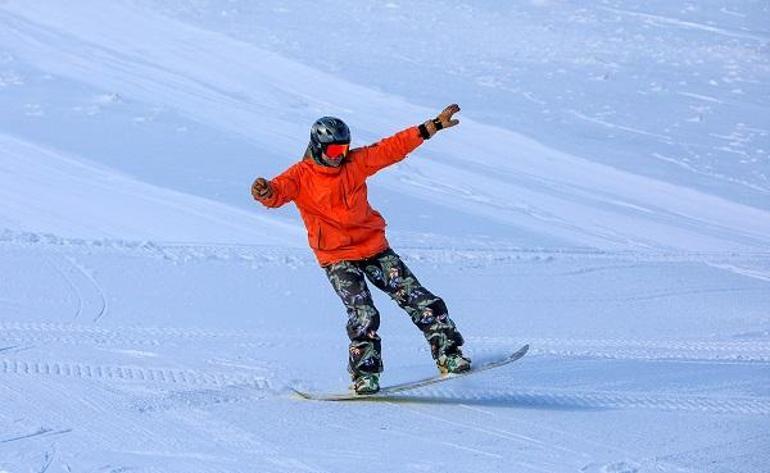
(443, 120)
(261, 189)
(445, 117)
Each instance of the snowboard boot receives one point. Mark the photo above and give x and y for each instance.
(454, 363)
(366, 383)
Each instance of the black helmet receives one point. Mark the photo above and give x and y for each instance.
(326, 131)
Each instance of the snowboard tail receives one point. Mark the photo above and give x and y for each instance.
(410, 385)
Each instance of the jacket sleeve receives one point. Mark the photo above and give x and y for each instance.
(285, 188)
(388, 151)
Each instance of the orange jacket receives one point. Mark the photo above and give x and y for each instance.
(340, 223)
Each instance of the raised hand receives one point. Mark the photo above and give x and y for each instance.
(445, 117)
(443, 120)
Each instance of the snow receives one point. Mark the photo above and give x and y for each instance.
(605, 199)
(33, 200)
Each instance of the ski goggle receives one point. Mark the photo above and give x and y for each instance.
(336, 151)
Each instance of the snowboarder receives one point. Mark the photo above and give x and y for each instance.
(347, 235)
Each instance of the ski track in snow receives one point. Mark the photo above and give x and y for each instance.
(101, 308)
(26, 333)
(146, 375)
(631, 349)
(577, 399)
(458, 251)
(621, 349)
(73, 288)
(39, 432)
(658, 20)
(51, 334)
(88, 292)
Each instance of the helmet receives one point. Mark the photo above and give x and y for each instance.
(326, 131)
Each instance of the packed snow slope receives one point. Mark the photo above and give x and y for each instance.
(194, 81)
(606, 198)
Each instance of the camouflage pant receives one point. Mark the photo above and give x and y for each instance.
(388, 273)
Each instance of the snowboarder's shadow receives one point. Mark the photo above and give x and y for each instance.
(514, 400)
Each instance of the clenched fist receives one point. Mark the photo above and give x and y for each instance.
(261, 189)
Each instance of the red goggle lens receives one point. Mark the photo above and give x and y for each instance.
(336, 151)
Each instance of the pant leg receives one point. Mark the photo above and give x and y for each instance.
(364, 355)
(429, 313)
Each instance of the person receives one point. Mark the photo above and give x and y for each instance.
(347, 235)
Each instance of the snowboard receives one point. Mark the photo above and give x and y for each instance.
(387, 391)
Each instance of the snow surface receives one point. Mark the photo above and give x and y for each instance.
(605, 199)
